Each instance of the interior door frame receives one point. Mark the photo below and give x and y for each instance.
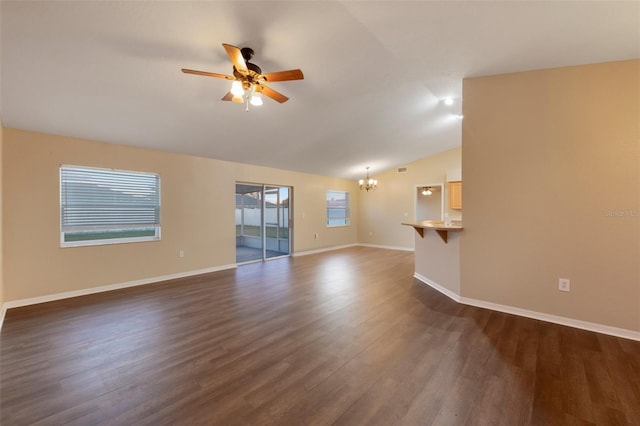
(416, 195)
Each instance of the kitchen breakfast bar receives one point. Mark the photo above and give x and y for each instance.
(437, 255)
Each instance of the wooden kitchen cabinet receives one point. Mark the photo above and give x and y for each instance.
(455, 195)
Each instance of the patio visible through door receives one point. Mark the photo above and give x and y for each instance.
(262, 222)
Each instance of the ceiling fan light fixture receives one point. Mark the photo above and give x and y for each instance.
(236, 89)
(256, 97)
(248, 78)
(256, 100)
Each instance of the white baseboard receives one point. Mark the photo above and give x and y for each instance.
(584, 325)
(101, 289)
(387, 247)
(450, 294)
(322, 250)
(570, 322)
(3, 311)
(92, 290)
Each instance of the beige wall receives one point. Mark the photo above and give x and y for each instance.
(552, 189)
(1, 223)
(382, 211)
(437, 262)
(197, 215)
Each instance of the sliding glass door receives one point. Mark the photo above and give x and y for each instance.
(276, 221)
(262, 222)
(249, 201)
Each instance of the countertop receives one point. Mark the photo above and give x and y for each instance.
(454, 225)
(440, 227)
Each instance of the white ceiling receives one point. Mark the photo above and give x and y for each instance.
(375, 72)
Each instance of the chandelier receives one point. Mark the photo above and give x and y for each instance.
(368, 183)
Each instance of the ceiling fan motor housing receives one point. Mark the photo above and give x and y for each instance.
(253, 67)
(254, 70)
(247, 53)
(252, 75)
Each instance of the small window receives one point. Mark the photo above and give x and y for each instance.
(102, 206)
(337, 208)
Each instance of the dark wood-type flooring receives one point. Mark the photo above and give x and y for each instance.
(346, 337)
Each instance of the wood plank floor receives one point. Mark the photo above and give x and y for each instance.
(346, 337)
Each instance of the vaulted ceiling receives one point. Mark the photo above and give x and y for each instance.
(375, 72)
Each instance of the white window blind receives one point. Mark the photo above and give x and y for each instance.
(102, 204)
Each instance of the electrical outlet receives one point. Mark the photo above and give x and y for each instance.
(315, 236)
(564, 284)
(181, 253)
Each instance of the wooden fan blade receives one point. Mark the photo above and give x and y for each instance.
(284, 76)
(235, 99)
(276, 96)
(207, 74)
(236, 57)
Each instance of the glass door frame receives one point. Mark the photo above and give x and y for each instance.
(268, 249)
(273, 244)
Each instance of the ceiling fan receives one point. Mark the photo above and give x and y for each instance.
(248, 81)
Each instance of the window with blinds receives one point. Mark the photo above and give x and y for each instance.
(338, 208)
(102, 206)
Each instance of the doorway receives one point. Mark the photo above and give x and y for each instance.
(263, 216)
(429, 202)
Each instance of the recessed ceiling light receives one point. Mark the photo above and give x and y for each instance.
(448, 101)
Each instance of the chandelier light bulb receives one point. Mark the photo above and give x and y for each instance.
(368, 183)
